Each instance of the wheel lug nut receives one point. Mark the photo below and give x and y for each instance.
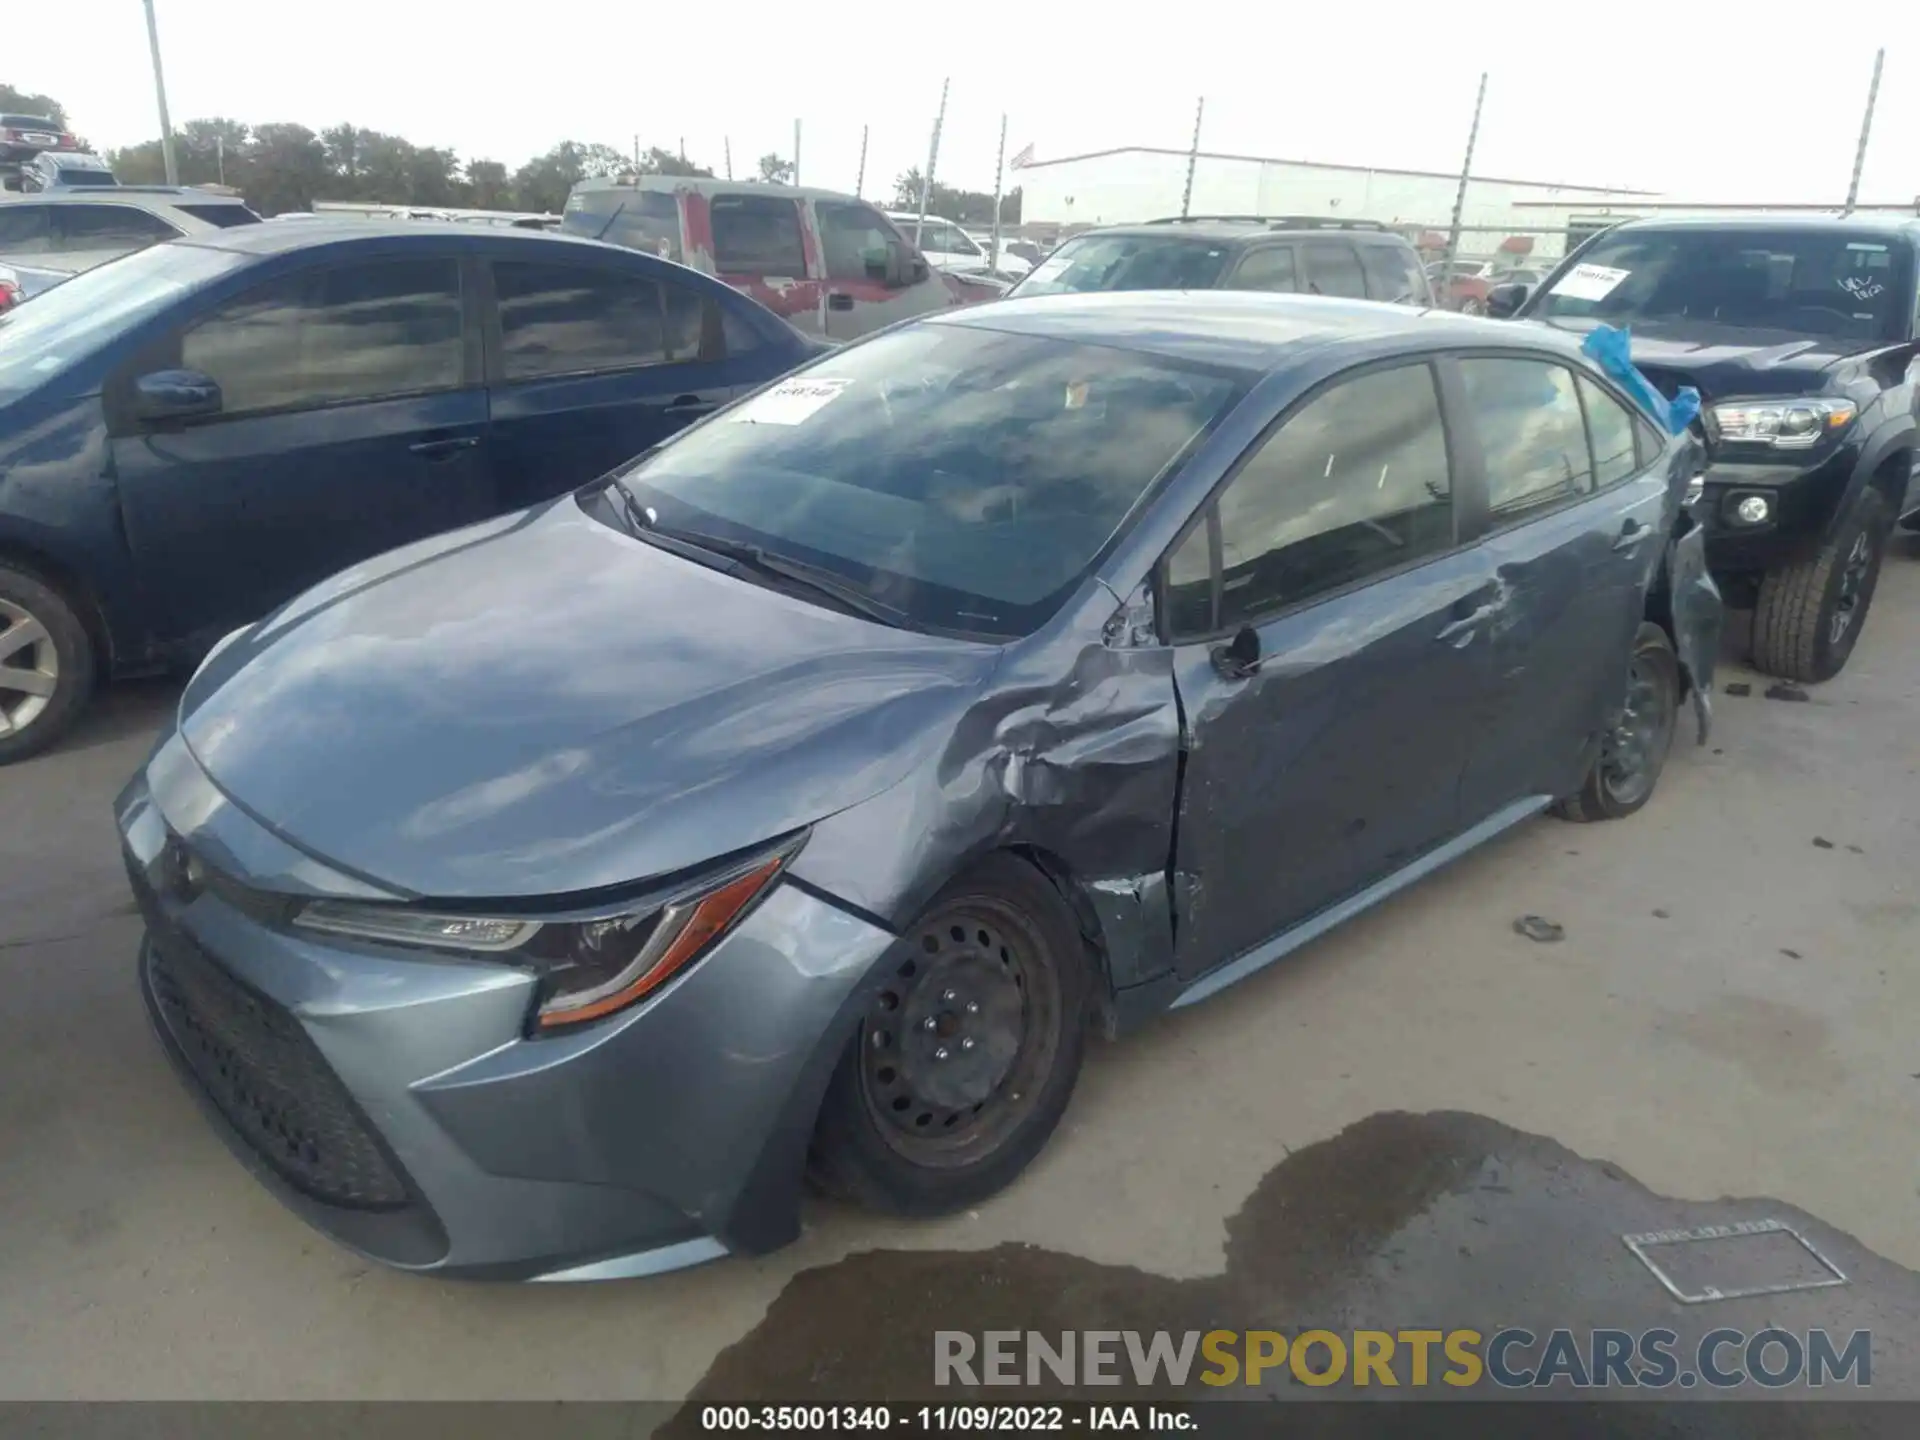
(879, 1039)
(973, 1007)
(967, 1044)
(927, 1024)
(948, 996)
(941, 1053)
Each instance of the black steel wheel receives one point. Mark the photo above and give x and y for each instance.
(1808, 615)
(968, 1050)
(1633, 753)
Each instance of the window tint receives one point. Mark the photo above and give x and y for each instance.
(1270, 268)
(355, 332)
(1393, 274)
(23, 229)
(1355, 483)
(853, 236)
(687, 325)
(224, 216)
(1333, 269)
(85, 227)
(642, 220)
(737, 335)
(757, 235)
(1530, 428)
(570, 319)
(1610, 428)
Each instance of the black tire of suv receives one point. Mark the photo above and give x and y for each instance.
(1793, 618)
(1596, 799)
(28, 592)
(853, 1157)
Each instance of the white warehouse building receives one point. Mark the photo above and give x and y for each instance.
(1115, 187)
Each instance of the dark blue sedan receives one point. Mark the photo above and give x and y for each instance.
(193, 434)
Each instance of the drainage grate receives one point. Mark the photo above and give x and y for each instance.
(1732, 1262)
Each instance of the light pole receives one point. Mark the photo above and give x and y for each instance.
(160, 93)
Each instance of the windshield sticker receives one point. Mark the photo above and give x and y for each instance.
(791, 402)
(1862, 287)
(1590, 282)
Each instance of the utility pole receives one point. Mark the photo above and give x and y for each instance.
(636, 155)
(860, 180)
(796, 152)
(727, 141)
(220, 149)
(933, 158)
(683, 149)
(1193, 157)
(1866, 129)
(160, 94)
(1466, 169)
(999, 176)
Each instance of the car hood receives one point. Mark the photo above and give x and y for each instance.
(1732, 360)
(544, 705)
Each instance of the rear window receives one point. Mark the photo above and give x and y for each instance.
(222, 215)
(642, 220)
(1128, 262)
(87, 177)
(29, 122)
(756, 235)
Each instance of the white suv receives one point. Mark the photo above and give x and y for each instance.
(75, 230)
(948, 247)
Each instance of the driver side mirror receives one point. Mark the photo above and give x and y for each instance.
(1240, 656)
(176, 395)
(1504, 300)
(896, 268)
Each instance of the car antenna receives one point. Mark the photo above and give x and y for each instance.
(600, 234)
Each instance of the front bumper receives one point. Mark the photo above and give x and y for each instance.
(1801, 494)
(395, 1102)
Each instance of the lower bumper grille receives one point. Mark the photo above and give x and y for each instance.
(270, 1081)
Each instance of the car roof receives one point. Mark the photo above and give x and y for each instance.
(161, 194)
(349, 229)
(706, 185)
(1239, 228)
(1779, 220)
(1243, 330)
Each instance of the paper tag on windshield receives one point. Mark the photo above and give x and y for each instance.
(1589, 282)
(791, 402)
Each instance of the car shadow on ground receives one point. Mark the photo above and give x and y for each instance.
(127, 709)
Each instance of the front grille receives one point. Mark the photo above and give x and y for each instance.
(270, 1081)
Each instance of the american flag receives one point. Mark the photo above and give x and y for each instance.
(1023, 157)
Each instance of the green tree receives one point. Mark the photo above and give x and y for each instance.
(664, 162)
(488, 185)
(774, 170)
(287, 169)
(543, 183)
(208, 150)
(25, 102)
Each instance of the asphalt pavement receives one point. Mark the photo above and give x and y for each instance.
(1425, 1119)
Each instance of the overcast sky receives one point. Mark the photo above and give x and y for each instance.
(1706, 102)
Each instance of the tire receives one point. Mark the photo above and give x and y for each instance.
(1809, 614)
(905, 1133)
(46, 665)
(1627, 770)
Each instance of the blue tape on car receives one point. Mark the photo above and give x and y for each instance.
(1610, 348)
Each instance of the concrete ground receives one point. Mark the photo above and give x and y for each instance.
(1387, 1128)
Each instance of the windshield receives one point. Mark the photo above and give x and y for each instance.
(1128, 262)
(1806, 282)
(964, 477)
(71, 320)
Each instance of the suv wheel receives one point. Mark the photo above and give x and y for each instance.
(46, 665)
(1809, 614)
(1634, 752)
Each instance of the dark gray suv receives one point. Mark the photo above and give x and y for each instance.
(1292, 254)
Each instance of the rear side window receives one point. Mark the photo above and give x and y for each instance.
(1333, 269)
(576, 319)
(1531, 430)
(23, 229)
(353, 332)
(222, 215)
(854, 237)
(757, 235)
(1268, 268)
(86, 227)
(737, 336)
(1393, 274)
(1611, 429)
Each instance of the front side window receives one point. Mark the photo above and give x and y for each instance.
(757, 235)
(1611, 430)
(576, 319)
(1333, 269)
(97, 227)
(1268, 268)
(1393, 275)
(966, 477)
(1127, 262)
(1531, 431)
(854, 239)
(1353, 484)
(326, 337)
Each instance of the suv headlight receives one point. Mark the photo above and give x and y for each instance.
(590, 966)
(1783, 424)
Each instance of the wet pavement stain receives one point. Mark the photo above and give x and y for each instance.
(1442, 1220)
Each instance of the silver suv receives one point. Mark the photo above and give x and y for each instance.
(71, 231)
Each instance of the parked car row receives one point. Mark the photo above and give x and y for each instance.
(65, 231)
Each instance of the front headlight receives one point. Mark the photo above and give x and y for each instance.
(591, 966)
(1784, 424)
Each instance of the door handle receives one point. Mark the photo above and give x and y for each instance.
(1459, 633)
(689, 405)
(445, 446)
(839, 300)
(1631, 534)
